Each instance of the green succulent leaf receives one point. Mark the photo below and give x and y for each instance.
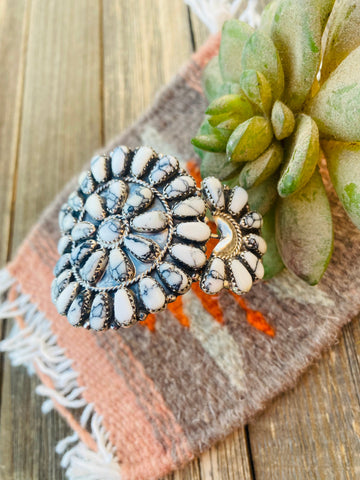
(233, 37)
(267, 17)
(343, 35)
(260, 169)
(217, 165)
(343, 161)
(228, 121)
(296, 33)
(260, 54)
(229, 88)
(304, 232)
(282, 119)
(336, 107)
(263, 196)
(212, 79)
(301, 156)
(213, 142)
(229, 104)
(249, 139)
(272, 261)
(257, 89)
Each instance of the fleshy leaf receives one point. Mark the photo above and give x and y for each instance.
(343, 161)
(229, 121)
(261, 55)
(231, 103)
(233, 37)
(325, 7)
(271, 260)
(212, 79)
(257, 89)
(343, 35)
(214, 142)
(260, 169)
(249, 139)
(336, 107)
(267, 17)
(263, 197)
(229, 88)
(217, 165)
(304, 232)
(296, 33)
(301, 156)
(282, 119)
(204, 129)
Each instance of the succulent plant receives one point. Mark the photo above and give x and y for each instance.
(280, 98)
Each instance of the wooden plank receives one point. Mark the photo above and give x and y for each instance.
(313, 431)
(145, 43)
(60, 127)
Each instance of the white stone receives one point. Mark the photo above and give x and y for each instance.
(238, 200)
(138, 200)
(195, 231)
(191, 207)
(212, 281)
(66, 297)
(119, 160)
(124, 308)
(99, 313)
(78, 308)
(121, 268)
(141, 160)
(142, 248)
(251, 220)
(163, 169)
(75, 202)
(86, 182)
(80, 253)
(255, 264)
(174, 278)
(62, 264)
(110, 229)
(214, 192)
(152, 295)
(115, 195)
(152, 221)
(179, 187)
(256, 242)
(242, 279)
(82, 230)
(188, 255)
(99, 168)
(63, 244)
(94, 206)
(94, 266)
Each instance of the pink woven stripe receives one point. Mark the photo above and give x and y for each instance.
(123, 417)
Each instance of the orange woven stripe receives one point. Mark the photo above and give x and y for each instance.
(254, 317)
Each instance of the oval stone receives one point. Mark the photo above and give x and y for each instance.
(174, 278)
(188, 255)
(138, 200)
(115, 196)
(79, 308)
(254, 263)
(180, 187)
(152, 221)
(124, 308)
(120, 266)
(194, 231)
(119, 160)
(100, 311)
(251, 220)
(66, 297)
(99, 168)
(110, 230)
(163, 169)
(141, 161)
(144, 249)
(152, 295)
(82, 230)
(214, 192)
(64, 244)
(241, 280)
(86, 182)
(212, 281)
(191, 207)
(94, 206)
(238, 200)
(62, 264)
(82, 251)
(75, 201)
(94, 267)
(256, 243)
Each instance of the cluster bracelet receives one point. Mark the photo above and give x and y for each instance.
(134, 237)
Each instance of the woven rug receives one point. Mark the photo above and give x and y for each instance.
(146, 400)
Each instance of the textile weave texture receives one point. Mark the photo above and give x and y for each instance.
(168, 390)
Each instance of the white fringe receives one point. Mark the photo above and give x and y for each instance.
(213, 13)
(36, 346)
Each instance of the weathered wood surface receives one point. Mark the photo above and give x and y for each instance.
(74, 74)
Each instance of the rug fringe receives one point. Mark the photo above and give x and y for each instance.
(213, 13)
(36, 346)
